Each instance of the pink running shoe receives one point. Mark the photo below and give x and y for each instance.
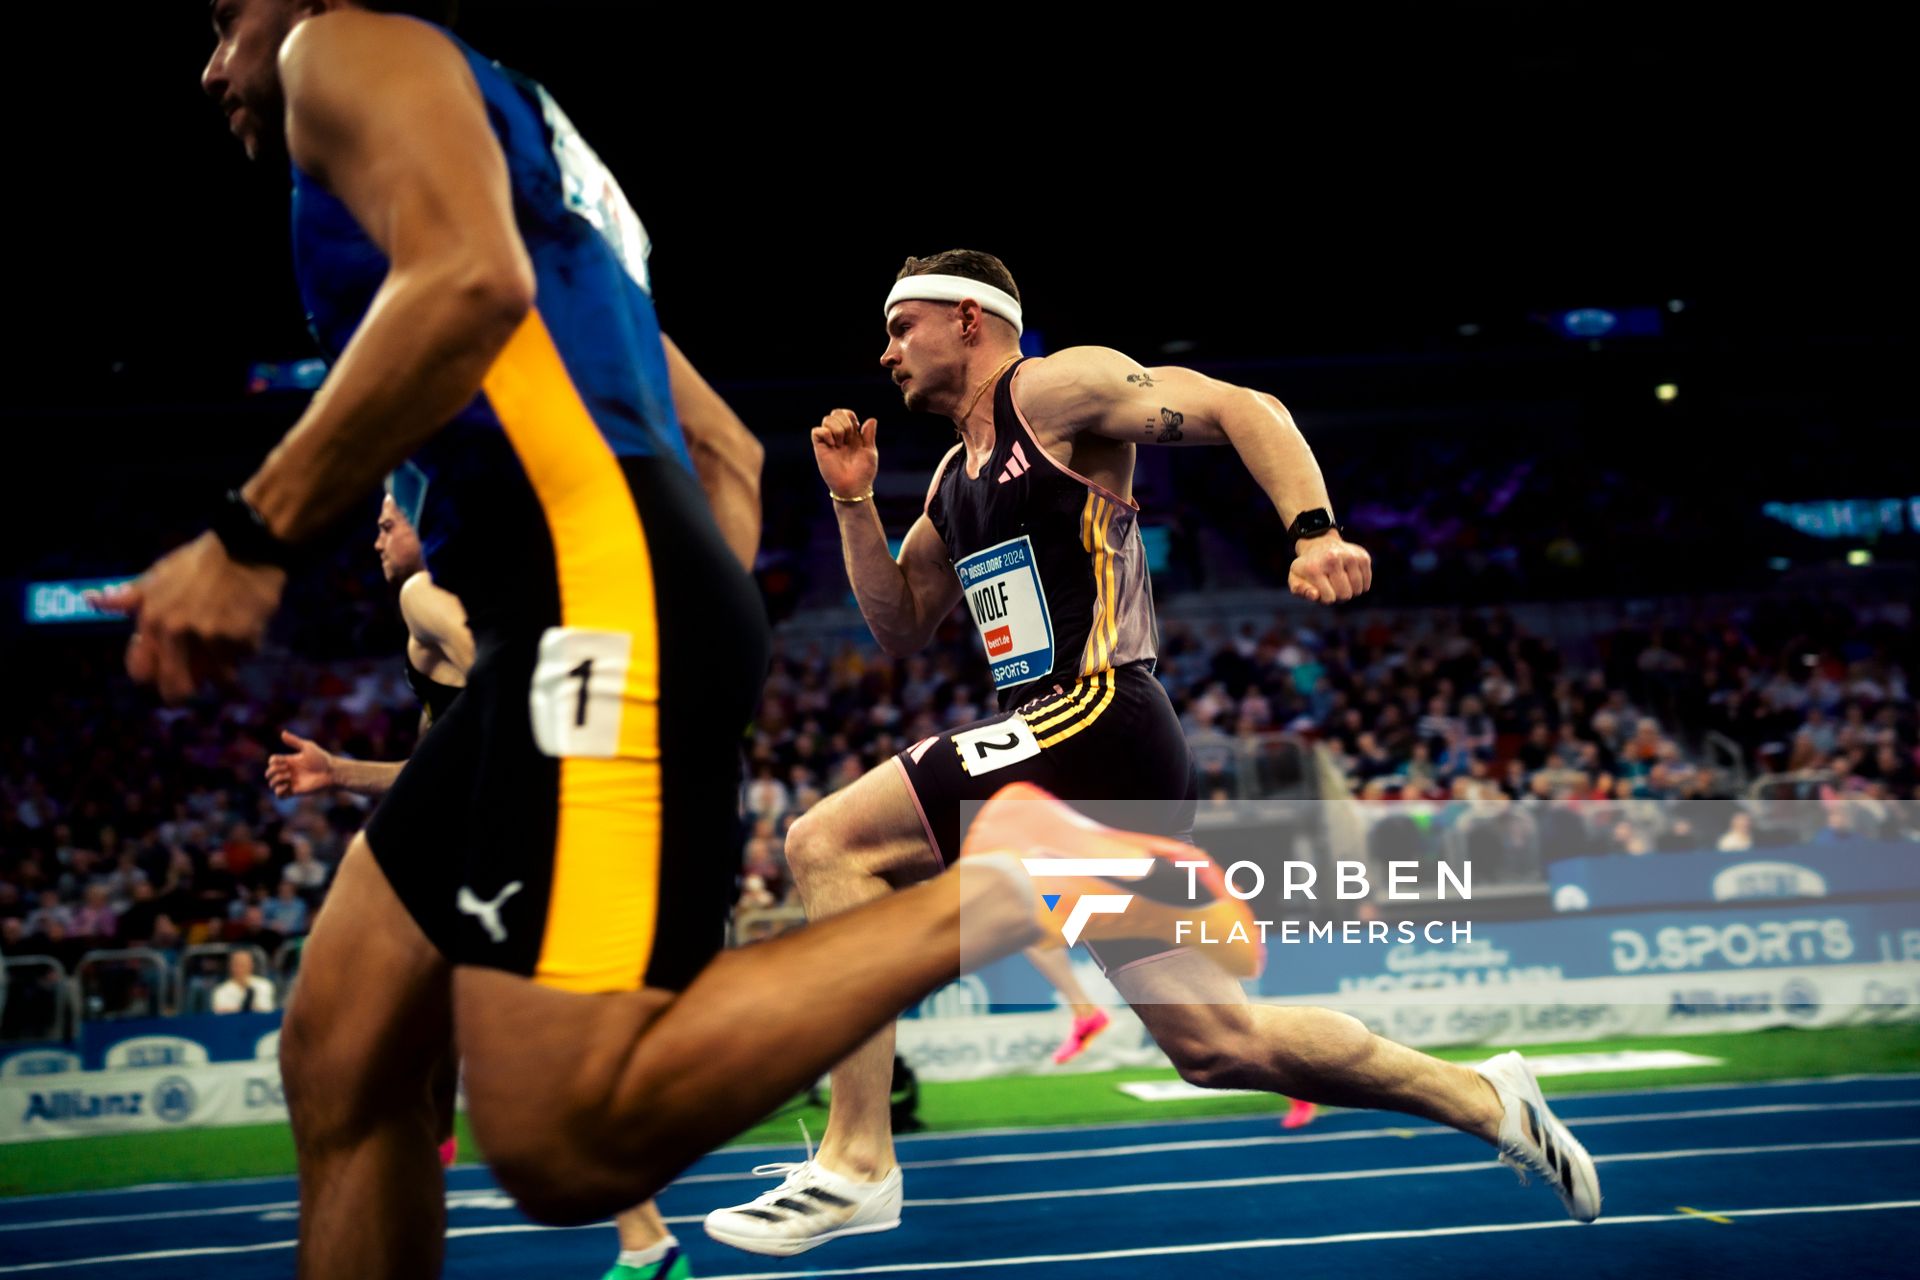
(448, 1150)
(1298, 1115)
(1084, 1030)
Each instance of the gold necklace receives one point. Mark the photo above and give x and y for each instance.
(990, 380)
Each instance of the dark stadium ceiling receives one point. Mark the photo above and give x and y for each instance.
(1254, 191)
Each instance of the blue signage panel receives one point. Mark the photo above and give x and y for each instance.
(1497, 953)
(48, 602)
(1689, 879)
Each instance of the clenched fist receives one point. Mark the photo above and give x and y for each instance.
(1329, 568)
(844, 449)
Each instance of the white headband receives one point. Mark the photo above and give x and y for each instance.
(955, 289)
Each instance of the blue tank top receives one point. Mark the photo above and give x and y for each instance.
(593, 293)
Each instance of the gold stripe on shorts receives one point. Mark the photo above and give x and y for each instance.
(605, 892)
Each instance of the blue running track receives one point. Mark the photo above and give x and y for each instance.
(1724, 1180)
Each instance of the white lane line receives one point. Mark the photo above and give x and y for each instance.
(455, 1200)
(1288, 1242)
(498, 1202)
(961, 1135)
(1345, 1135)
(156, 1255)
(1405, 1171)
(1154, 1251)
(1725, 1086)
(1025, 1157)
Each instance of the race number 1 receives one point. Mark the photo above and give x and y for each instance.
(578, 694)
(995, 746)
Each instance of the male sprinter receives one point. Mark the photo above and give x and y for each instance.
(1031, 517)
(563, 837)
(438, 656)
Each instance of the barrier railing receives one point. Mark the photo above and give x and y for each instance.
(286, 966)
(753, 926)
(133, 983)
(39, 999)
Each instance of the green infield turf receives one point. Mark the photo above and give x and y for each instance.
(198, 1154)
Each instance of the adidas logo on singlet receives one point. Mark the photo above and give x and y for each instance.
(1017, 465)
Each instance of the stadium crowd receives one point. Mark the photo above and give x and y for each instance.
(123, 824)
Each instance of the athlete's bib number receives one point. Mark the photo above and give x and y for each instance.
(592, 193)
(1009, 605)
(995, 746)
(579, 691)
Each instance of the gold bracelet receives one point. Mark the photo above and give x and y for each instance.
(850, 501)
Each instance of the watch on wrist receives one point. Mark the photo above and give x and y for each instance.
(245, 535)
(1311, 524)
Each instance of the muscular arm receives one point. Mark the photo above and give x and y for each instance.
(1101, 392)
(436, 618)
(385, 114)
(726, 456)
(902, 600)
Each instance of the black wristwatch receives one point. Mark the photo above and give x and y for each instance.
(246, 536)
(1311, 524)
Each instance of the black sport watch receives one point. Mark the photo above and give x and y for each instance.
(246, 536)
(1311, 524)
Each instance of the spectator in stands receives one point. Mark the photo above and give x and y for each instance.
(1678, 837)
(166, 939)
(306, 873)
(1895, 770)
(767, 796)
(1537, 752)
(1839, 826)
(244, 899)
(243, 853)
(214, 888)
(94, 918)
(50, 911)
(1628, 838)
(285, 913)
(755, 896)
(244, 991)
(1371, 760)
(250, 929)
(126, 875)
(1739, 834)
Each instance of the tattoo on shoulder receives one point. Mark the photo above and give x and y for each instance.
(1167, 429)
(1141, 380)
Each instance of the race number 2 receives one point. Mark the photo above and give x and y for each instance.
(579, 691)
(995, 746)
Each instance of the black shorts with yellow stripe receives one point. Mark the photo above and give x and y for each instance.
(1110, 736)
(573, 817)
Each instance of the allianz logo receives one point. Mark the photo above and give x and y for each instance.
(77, 1104)
(1768, 880)
(1797, 999)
